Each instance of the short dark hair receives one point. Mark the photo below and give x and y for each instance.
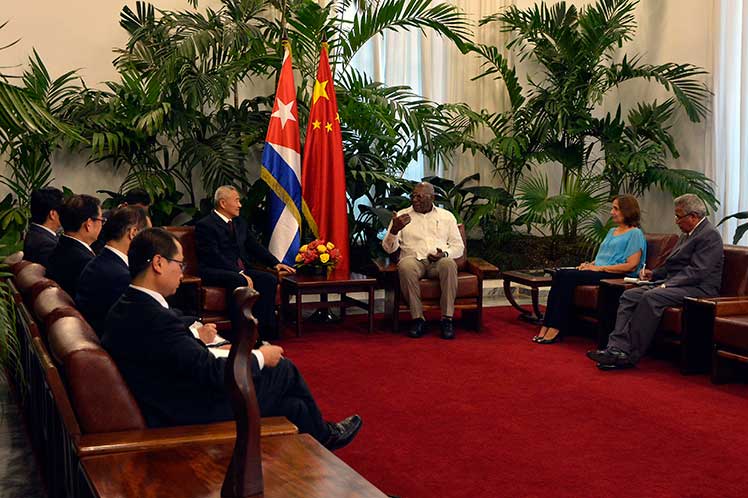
(121, 219)
(43, 201)
(137, 196)
(146, 245)
(76, 210)
(629, 207)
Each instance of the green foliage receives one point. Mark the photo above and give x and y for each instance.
(552, 121)
(740, 230)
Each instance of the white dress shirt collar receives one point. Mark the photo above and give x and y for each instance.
(225, 220)
(697, 226)
(46, 228)
(80, 242)
(155, 295)
(119, 253)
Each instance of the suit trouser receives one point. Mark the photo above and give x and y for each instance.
(411, 270)
(282, 392)
(561, 295)
(639, 313)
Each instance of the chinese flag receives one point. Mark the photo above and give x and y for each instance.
(322, 172)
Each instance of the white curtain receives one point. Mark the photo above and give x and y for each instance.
(435, 69)
(729, 156)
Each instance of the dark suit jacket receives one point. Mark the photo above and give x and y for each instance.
(67, 263)
(101, 283)
(218, 251)
(695, 261)
(38, 245)
(173, 376)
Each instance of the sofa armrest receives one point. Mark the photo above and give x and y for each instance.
(163, 437)
(721, 306)
(482, 268)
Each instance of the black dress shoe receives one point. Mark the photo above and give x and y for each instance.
(418, 328)
(609, 357)
(343, 432)
(615, 366)
(600, 356)
(557, 338)
(448, 329)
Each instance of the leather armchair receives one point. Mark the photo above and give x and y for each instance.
(470, 275)
(209, 303)
(730, 336)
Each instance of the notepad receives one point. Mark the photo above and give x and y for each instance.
(636, 281)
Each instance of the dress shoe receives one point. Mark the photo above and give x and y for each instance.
(418, 328)
(599, 356)
(609, 357)
(557, 338)
(343, 432)
(615, 366)
(448, 329)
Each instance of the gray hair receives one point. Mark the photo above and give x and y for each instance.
(690, 203)
(222, 192)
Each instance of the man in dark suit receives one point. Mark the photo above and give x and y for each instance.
(173, 375)
(41, 237)
(135, 197)
(107, 276)
(693, 268)
(81, 219)
(226, 249)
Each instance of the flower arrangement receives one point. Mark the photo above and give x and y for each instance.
(318, 254)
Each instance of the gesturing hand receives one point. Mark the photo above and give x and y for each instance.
(272, 354)
(399, 222)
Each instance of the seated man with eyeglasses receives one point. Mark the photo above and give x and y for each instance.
(693, 268)
(429, 241)
(174, 377)
(81, 221)
(106, 277)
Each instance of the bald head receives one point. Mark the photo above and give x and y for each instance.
(422, 197)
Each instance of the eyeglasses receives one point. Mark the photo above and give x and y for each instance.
(678, 218)
(102, 219)
(182, 264)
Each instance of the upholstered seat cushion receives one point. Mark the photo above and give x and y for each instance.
(467, 286)
(214, 299)
(732, 331)
(585, 297)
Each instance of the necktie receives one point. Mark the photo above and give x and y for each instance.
(239, 261)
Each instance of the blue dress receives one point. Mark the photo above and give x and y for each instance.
(616, 249)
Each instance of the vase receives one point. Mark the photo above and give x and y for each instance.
(312, 271)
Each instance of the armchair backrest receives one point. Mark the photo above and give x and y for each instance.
(98, 393)
(735, 271)
(186, 236)
(659, 246)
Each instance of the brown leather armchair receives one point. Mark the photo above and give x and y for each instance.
(730, 337)
(470, 275)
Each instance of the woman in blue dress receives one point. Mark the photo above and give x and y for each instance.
(622, 253)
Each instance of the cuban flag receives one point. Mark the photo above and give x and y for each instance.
(281, 167)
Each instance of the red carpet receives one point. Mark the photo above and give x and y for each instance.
(494, 415)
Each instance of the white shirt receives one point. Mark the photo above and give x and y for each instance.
(226, 220)
(426, 233)
(697, 224)
(46, 228)
(160, 299)
(122, 256)
(80, 242)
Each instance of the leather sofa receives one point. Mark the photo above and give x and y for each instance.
(729, 338)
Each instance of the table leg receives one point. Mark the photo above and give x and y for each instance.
(298, 312)
(371, 309)
(343, 305)
(524, 314)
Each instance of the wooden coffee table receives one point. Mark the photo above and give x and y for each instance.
(534, 279)
(298, 285)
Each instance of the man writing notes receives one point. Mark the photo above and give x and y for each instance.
(226, 249)
(175, 379)
(693, 268)
(429, 242)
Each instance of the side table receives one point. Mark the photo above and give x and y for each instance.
(299, 285)
(534, 279)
